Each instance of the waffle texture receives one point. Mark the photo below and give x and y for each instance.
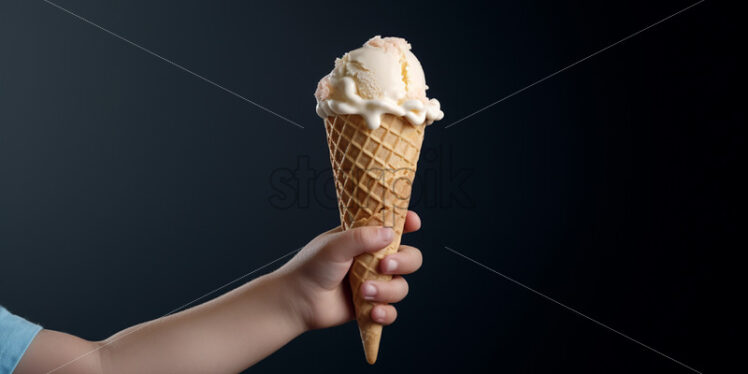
(374, 172)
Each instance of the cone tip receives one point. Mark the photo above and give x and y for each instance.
(371, 355)
(370, 337)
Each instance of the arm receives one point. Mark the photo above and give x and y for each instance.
(239, 328)
(224, 335)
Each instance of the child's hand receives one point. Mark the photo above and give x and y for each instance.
(239, 328)
(319, 294)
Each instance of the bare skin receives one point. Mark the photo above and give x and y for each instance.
(240, 328)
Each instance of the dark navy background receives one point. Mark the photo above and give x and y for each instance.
(129, 188)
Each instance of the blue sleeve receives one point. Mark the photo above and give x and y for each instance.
(16, 334)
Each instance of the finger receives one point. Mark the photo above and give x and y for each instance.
(333, 230)
(324, 237)
(412, 222)
(391, 291)
(343, 246)
(407, 260)
(384, 314)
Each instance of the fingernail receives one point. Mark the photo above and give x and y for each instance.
(390, 265)
(378, 314)
(369, 291)
(386, 234)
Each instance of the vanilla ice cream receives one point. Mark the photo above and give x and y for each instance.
(381, 77)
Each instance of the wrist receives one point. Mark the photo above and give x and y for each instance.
(288, 303)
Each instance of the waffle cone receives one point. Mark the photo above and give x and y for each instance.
(374, 171)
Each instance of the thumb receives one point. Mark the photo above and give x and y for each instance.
(343, 246)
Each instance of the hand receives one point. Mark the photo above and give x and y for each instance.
(320, 294)
(237, 329)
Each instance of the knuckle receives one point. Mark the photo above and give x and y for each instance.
(405, 288)
(412, 251)
(392, 313)
(360, 236)
(419, 257)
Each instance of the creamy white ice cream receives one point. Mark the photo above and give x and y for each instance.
(381, 77)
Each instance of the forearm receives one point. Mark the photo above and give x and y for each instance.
(225, 335)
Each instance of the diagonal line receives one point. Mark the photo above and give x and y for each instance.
(574, 64)
(232, 282)
(175, 310)
(571, 309)
(146, 50)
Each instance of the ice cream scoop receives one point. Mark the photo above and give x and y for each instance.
(382, 77)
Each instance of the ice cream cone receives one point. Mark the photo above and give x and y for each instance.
(375, 110)
(374, 171)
